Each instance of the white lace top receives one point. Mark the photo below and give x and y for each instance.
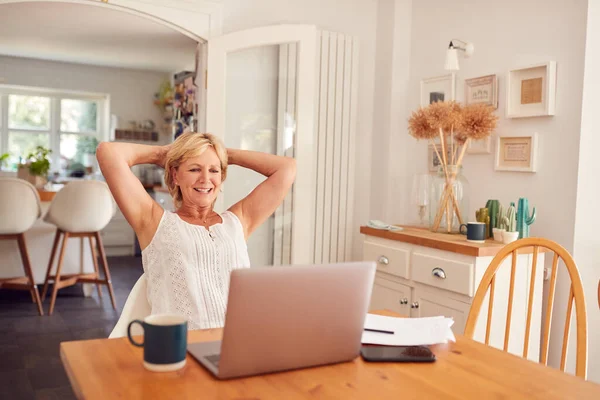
(188, 267)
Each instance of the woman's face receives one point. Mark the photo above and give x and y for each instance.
(199, 179)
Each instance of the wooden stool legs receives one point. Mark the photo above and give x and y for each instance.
(33, 290)
(71, 279)
(48, 270)
(27, 282)
(105, 267)
(95, 260)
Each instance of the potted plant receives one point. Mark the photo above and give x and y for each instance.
(510, 224)
(4, 160)
(36, 168)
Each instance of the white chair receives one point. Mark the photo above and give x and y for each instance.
(19, 209)
(136, 307)
(81, 209)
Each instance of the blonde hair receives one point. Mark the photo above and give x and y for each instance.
(186, 146)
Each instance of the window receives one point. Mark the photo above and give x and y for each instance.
(68, 124)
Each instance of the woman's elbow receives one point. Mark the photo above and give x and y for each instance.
(102, 152)
(291, 170)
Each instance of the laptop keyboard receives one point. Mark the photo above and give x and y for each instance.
(214, 359)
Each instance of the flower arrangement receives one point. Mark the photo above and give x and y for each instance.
(455, 126)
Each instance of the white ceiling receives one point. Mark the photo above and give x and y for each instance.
(92, 35)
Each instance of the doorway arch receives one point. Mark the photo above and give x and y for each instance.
(197, 19)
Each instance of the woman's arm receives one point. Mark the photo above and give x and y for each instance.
(255, 208)
(138, 207)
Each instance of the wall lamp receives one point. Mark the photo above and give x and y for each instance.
(452, 53)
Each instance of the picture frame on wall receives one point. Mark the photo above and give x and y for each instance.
(483, 146)
(438, 88)
(531, 91)
(433, 160)
(517, 152)
(483, 89)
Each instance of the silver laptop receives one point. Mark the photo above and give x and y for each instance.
(289, 317)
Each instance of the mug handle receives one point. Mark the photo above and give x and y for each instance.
(460, 229)
(133, 342)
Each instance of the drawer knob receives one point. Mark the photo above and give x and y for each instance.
(383, 260)
(439, 273)
(404, 301)
(415, 305)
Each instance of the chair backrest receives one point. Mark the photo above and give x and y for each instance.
(136, 307)
(575, 293)
(82, 206)
(19, 205)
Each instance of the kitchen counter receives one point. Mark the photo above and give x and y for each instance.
(162, 189)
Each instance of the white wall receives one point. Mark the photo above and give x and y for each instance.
(587, 219)
(131, 91)
(506, 34)
(352, 17)
(392, 79)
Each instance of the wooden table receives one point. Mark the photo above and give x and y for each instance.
(112, 368)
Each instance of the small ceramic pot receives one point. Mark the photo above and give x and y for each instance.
(509, 237)
(498, 234)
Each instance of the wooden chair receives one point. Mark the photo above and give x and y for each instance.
(576, 293)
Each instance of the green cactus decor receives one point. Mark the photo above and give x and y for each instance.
(510, 220)
(500, 218)
(493, 206)
(523, 218)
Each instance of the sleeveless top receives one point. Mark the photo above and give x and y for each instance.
(187, 268)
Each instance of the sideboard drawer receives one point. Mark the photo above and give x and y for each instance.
(390, 260)
(446, 274)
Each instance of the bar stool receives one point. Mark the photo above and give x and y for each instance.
(19, 209)
(80, 210)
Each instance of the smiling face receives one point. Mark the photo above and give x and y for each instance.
(199, 179)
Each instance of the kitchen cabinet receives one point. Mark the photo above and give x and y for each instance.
(163, 197)
(390, 295)
(426, 274)
(118, 236)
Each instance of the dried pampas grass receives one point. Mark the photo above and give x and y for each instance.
(478, 121)
(419, 126)
(460, 124)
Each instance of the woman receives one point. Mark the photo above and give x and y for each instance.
(188, 255)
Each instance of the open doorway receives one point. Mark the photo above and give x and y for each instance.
(118, 71)
(78, 74)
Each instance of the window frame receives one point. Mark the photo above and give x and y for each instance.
(102, 101)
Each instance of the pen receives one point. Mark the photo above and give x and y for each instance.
(379, 331)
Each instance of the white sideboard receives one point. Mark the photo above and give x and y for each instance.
(424, 274)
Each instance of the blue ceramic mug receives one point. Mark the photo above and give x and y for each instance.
(165, 341)
(475, 231)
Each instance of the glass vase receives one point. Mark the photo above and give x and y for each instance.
(448, 201)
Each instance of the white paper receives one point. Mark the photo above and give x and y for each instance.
(408, 331)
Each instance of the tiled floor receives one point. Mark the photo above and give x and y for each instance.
(30, 366)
